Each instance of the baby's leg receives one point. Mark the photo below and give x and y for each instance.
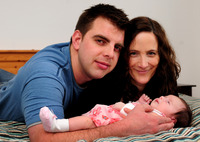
(80, 122)
(50, 123)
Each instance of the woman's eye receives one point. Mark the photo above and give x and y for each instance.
(152, 53)
(132, 53)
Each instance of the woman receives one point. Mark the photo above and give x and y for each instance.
(150, 61)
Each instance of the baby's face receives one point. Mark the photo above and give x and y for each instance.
(168, 105)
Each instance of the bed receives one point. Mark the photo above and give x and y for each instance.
(189, 134)
(16, 131)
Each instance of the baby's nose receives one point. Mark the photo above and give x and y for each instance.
(162, 97)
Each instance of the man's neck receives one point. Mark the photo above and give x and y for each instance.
(79, 75)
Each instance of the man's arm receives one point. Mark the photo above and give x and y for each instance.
(37, 134)
(133, 124)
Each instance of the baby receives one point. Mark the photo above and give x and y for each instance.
(167, 106)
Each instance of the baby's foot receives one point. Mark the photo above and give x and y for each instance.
(47, 117)
(144, 99)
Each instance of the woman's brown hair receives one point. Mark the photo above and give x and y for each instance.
(164, 81)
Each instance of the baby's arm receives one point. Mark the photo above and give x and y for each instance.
(144, 99)
(118, 106)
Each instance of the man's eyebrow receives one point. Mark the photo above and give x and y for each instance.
(106, 39)
(119, 44)
(102, 37)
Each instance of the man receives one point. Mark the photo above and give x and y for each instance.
(56, 76)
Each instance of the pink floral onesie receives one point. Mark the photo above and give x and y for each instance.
(104, 115)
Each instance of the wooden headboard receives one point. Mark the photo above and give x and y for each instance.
(12, 60)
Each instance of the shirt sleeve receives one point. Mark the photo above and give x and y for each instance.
(40, 92)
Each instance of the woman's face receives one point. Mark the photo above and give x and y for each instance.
(143, 58)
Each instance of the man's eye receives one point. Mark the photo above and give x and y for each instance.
(118, 48)
(99, 41)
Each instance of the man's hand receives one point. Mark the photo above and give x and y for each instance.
(142, 121)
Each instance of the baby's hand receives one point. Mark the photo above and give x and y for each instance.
(144, 99)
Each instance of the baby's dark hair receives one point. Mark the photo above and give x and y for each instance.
(183, 117)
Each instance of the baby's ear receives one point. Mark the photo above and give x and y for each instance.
(174, 119)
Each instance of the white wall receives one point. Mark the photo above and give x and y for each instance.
(34, 24)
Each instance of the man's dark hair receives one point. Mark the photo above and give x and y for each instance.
(113, 14)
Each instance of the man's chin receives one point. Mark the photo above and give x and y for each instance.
(100, 76)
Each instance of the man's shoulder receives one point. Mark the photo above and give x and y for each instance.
(58, 45)
(56, 53)
(49, 60)
(54, 48)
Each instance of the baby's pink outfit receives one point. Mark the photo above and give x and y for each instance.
(104, 115)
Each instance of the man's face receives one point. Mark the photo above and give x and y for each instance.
(99, 49)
